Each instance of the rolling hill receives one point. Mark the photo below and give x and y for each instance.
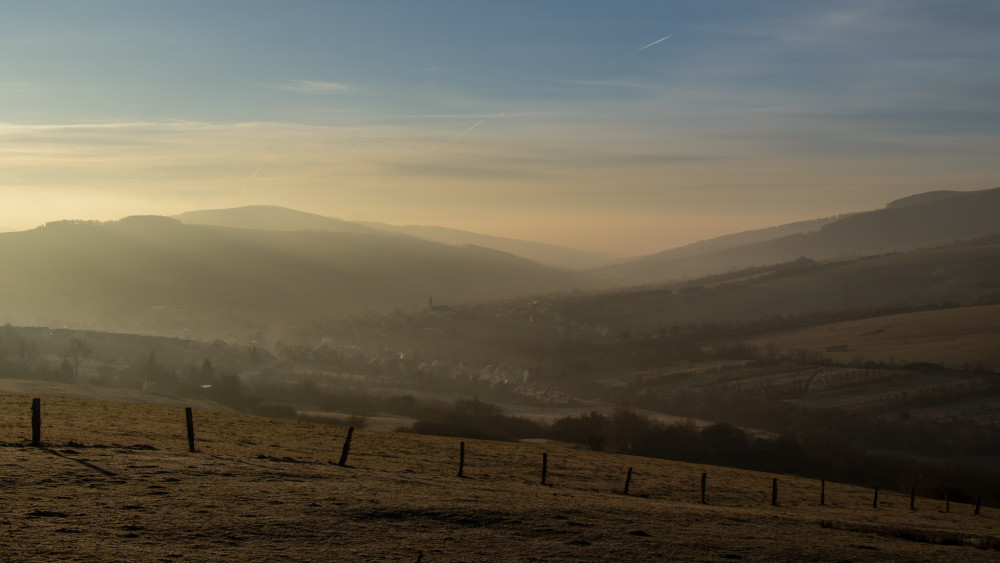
(956, 338)
(283, 219)
(559, 256)
(959, 272)
(155, 274)
(268, 218)
(922, 220)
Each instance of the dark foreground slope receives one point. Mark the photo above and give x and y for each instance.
(114, 481)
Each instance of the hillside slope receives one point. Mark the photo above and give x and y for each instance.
(960, 273)
(559, 256)
(917, 221)
(156, 274)
(268, 218)
(957, 338)
(282, 219)
(116, 481)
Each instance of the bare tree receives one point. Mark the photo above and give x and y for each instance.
(77, 352)
(24, 354)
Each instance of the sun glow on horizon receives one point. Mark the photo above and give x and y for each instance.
(621, 136)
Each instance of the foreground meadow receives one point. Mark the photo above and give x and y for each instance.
(115, 481)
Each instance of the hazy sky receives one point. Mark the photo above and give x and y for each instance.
(567, 122)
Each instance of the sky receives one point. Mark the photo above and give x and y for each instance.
(621, 127)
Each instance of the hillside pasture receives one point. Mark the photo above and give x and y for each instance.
(116, 481)
(964, 336)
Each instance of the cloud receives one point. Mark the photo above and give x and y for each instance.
(576, 160)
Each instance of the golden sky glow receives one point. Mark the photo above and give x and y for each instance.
(576, 134)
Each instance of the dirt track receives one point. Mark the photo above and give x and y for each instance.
(265, 490)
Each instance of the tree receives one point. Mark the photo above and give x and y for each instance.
(207, 371)
(24, 354)
(76, 353)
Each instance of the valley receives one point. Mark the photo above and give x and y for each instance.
(869, 370)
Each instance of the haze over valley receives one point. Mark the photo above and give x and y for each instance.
(745, 256)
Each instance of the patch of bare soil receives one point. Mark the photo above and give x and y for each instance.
(115, 481)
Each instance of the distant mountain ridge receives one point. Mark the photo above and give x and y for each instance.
(748, 237)
(926, 197)
(922, 220)
(155, 274)
(275, 218)
(268, 218)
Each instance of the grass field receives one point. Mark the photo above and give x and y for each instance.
(951, 337)
(115, 481)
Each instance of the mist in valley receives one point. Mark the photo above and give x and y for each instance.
(646, 233)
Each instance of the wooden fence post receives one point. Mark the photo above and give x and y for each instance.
(347, 447)
(461, 458)
(190, 428)
(822, 492)
(774, 491)
(545, 466)
(704, 477)
(628, 480)
(913, 497)
(979, 504)
(36, 422)
(947, 503)
(875, 502)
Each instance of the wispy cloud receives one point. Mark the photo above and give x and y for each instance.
(313, 87)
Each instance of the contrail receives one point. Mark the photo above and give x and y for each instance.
(469, 130)
(252, 176)
(643, 48)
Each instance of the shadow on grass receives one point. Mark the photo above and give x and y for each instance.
(936, 537)
(82, 462)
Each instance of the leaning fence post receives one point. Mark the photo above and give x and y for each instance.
(461, 458)
(347, 447)
(704, 476)
(774, 491)
(36, 422)
(545, 466)
(190, 428)
(628, 480)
